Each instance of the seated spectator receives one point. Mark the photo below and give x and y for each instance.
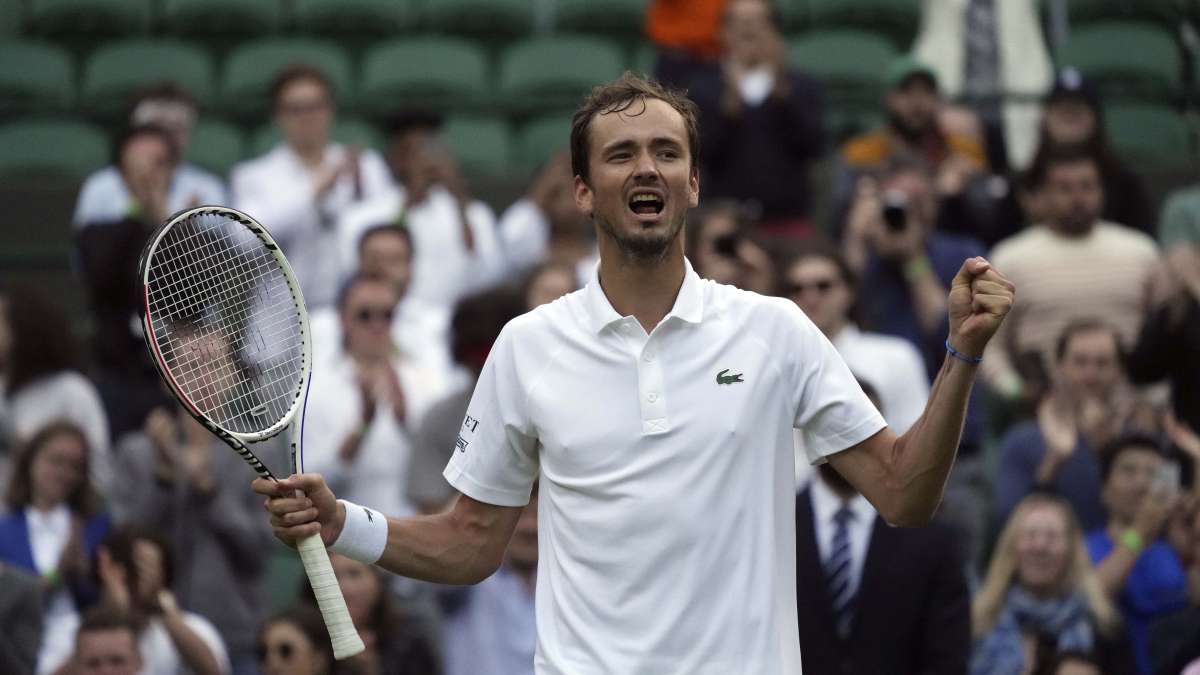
(20, 620)
(1074, 121)
(40, 378)
(115, 192)
(395, 645)
(845, 554)
(547, 225)
(493, 630)
(761, 123)
(295, 642)
(106, 644)
(360, 417)
(719, 248)
(299, 189)
(191, 491)
(1039, 586)
(1108, 271)
(136, 572)
(52, 529)
(456, 246)
(1089, 403)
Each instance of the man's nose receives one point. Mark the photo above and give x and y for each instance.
(645, 166)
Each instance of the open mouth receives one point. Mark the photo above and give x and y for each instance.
(646, 204)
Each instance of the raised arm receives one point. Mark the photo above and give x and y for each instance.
(904, 476)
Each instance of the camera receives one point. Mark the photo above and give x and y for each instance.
(895, 210)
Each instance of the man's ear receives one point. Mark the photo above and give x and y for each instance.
(694, 188)
(584, 197)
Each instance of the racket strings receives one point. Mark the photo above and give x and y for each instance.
(226, 322)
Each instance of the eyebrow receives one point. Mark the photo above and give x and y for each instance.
(629, 143)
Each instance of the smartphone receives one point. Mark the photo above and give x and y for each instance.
(1167, 480)
(895, 210)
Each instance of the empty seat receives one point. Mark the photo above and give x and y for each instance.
(541, 137)
(849, 63)
(216, 146)
(645, 56)
(351, 132)
(897, 19)
(59, 148)
(35, 76)
(434, 73)
(222, 19)
(487, 18)
(118, 70)
(1166, 12)
(481, 144)
(1151, 136)
(556, 71)
(354, 17)
(1126, 59)
(69, 19)
(621, 19)
(252, 67)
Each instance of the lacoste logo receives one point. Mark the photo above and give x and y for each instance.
(722, 378)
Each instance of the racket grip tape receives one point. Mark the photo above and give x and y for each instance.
(342, 634)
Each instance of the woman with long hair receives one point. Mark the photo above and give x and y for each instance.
(52, 529)
(1040, 588)
(295, 642)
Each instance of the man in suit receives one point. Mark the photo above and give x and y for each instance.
(20, 620)
(873, 598)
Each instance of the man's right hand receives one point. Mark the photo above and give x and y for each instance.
(300, 506)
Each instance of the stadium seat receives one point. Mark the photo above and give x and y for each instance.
(541, 137)
(222, 19)
(481, 144)
(72, 19)
(1166, 12)
(216, 146)
(556, 71)
(898, 19)
(619, 19)
(1127, 60)
(117, 70)
(849, 63)
(34, 77)
(251, 68)
(354, 18)
(1151, 137)
(62, 149)
(434, 73)
(353, 132)
(645, 56)
(492, 19)
(10, 18)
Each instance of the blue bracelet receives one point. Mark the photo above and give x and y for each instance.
(975, 360)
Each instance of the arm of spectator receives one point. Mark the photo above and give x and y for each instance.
(375, 175)
(1060, 434)
(232, 515)
(946, 635)
(1114, 569)
(927, 292)
(1015, 473)
(797, 115)
(861, 220)
(139, 464)
(194, 650)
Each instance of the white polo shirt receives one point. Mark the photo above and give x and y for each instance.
(667, 510)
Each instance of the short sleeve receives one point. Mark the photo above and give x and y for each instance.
(211, 638)
(831, 410)
(495, 456)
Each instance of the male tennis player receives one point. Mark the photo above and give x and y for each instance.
(658, 410)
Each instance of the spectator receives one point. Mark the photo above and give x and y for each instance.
(1175, 639)
(1088, 404)
(1107, 274)
(395, 645)
(52, 529)
(687, 35)
(295, 642)
(20, 620)
(107, 256)
(106, 644)
(1180, 221)
(299, 188)
(760, 123)
(546, 224)
(136, 571)
(547, 283)
(120, 190)
(719, 248)
(40, 378)
(360, 417)
(1074, 120)
(191, 492)
(845, 548)
(1039, 585)
(493, 630)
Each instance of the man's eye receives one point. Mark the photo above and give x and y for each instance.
(620, 156)
(668, 154)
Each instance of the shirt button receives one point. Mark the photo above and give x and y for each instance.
(652, 397)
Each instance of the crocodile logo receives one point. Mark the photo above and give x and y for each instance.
(722, 378)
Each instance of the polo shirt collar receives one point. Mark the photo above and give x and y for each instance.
(689, 304)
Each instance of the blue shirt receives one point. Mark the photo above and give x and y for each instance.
(1156, 587)
(1078, 479)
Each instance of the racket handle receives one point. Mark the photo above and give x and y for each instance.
(342, 634)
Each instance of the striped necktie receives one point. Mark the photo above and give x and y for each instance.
(838, 571)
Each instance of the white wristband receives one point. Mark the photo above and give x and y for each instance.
(364, 535)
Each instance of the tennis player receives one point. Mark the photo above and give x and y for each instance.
(657, 409)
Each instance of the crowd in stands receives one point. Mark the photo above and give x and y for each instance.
(1068, 542)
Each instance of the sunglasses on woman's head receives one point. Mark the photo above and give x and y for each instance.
(284, 650)
(822, 286)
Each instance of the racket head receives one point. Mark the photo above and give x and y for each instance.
(225, 322)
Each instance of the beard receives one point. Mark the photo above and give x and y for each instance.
(643, 247)
(911, 133)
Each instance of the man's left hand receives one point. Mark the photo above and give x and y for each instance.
(980, 298)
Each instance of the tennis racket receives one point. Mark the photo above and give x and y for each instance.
(226, 327)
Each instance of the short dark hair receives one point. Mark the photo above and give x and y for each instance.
(82, 500)
(387, 228)
(1044, 161)
(42, 340)
(619, 96)
(120, 541)
(106, 616)
(1127, 441)
(774, 16)
(296, 72)
(308, 621)
(1084, 325)
(356, 280)
(142, 130)
(478, 320)
(168, 91)
(411, 120)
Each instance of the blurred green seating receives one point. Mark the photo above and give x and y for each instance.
(118, 70)
(849, 63)
(897, 19)
(251, 68)
(216, 146)
(354, 18)
(81, 19)
(618, 19)
(1166, 12)
(645, 55)
(1126, 60)
(65, 149)
(222, 19)
(555, 71)
(1151, 137)
(435, 73)
(541, 137)
(10, 18)
(35, 77)
(491, 19)
(483, 145)
(349, 132)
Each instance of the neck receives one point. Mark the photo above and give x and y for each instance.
(42, 505)
(310, 155)
(835, 328)
(644, 289)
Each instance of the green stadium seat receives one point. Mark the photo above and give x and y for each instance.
(216, 146)
(1151, 137)
(354, 17)
(898, 19)
(793, 14)
(645, 56)
(62, 149)
(556, 71)
(117, 70)
(435, 73)
(34, 77)
(284, 578)
(251, 68)
(10, 18)
(1126, 60)
(70, 19)
(849, 63)
(1166, 12)
(492, 19)
(351, 132)
(482, 145)
(541, 137)
(619, 19)
(222, 19)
